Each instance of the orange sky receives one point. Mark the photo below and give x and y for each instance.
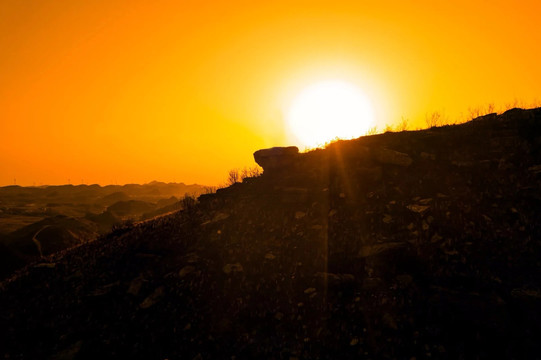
(134, 91)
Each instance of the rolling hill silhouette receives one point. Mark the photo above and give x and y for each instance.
(403, 245)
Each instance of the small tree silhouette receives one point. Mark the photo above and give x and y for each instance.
(433, 120)
(403, 125)
(233, 177)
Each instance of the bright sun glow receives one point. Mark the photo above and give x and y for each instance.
(329, 110)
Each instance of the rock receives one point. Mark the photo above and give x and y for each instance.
(428, 156)
(45, 265)
(392, 157)
(389, 321)
(526, 293)
(68, 353)
(270, 256)
(308, 291)
(186, 270)
(371, 250)
(135, 286)
(404, 279)
(536, 169)
(335, 279)
(420, 209)
(232, 268)
(299, 215)
(153, 298)
(276, 157)
(436, 238)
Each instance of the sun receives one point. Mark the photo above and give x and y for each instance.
(328, 110)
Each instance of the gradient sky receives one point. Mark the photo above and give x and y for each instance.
(134, 91)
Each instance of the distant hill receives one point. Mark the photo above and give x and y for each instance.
(50, 235)
(130, 207)
(412, 245)
(68, 215)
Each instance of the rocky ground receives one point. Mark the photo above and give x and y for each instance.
(409, 245)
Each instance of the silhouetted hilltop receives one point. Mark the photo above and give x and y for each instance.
(419, 244)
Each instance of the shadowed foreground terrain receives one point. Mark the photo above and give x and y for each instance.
(402, 245)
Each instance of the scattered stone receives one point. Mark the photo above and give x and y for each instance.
(371, 250)
(135, 286)
(153, 298)
(404, 279)
(436, 238)
(428, 156)
(299, 215)
(526, 293)
(390, 321)
(420, 209)
(232, 268)
(387, 219)
(45, 266)
(270, 256)
(309, 290)
(536, 169)
(186, 270)
(69, 353)
(335, 279)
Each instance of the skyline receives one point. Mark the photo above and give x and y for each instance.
(133, 92)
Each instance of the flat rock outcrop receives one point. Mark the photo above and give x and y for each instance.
(276, 158)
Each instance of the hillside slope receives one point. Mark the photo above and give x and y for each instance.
(402, 245)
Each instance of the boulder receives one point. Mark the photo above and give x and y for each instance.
(276, 157)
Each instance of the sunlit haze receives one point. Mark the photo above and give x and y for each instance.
(180, 91)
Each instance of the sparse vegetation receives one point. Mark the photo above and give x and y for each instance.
(372, 131)
(188, 202)
(434, 119)
(233, 177)
(236, 176)
(209, 189)
(403, 125)
(250, 172)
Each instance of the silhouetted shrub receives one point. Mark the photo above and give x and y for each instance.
(233, 177)
(433, 120)
(188, 202)
(250, 172)
(403, 125)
